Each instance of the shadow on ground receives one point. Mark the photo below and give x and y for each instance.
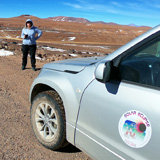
(69, 149)
(37, 69)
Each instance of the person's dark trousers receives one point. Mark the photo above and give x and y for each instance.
(31, 49)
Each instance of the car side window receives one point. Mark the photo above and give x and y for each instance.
(143, 65)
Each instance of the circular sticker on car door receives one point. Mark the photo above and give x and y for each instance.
(135, 129)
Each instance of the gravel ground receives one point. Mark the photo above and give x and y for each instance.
(17, 140)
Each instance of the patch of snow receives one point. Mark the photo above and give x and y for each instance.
(69, 33)
(119, 31)
(8, 36)
(73, 55)
(39, 58)
(70, 45)
(71, 38)
(140, 31)
(94, 53)
(63, 19)
(56, 19)
(18, 37)
(103, 47)
(53, 49)
(6, 53)
(12, 30)
(52, 31)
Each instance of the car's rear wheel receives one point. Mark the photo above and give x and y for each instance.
(48, 120)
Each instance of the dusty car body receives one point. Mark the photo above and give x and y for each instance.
(109, 107)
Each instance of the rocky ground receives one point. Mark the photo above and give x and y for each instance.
(17, 140)
(62, 39)
(53, 52)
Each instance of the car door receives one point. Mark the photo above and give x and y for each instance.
(119, 119)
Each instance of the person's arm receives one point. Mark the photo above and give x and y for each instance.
(22, 34)
(39, 32)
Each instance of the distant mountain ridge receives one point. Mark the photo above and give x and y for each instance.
(83, 20)
(69, 19)
(78, 20)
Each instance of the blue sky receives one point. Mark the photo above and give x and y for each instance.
(139, 12)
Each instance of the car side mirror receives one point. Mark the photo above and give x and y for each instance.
(103, 71)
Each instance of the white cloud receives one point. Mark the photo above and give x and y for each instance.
(91, 7)
(77, 6)
(116, 4)
(137, 8)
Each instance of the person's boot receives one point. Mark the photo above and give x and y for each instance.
(23, 68)
(33, 68)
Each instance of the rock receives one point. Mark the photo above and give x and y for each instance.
(79, 52)
(44, 46)
(14, 43)
(72, 51)
(53, 58)
(11, 47)
(6, 46)
(1, 46)
(4, 42)
(41, 53)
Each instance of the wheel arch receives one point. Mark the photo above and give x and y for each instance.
(39, 88)
(71, 110)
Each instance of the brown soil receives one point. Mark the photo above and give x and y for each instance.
(17, 140)
(60, 32)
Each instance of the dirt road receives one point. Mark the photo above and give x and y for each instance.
(17, 140)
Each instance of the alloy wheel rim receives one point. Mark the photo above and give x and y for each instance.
(46, 121)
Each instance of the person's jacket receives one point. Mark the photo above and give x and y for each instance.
(33, 34)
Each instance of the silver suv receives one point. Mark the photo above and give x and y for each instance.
(108, 107)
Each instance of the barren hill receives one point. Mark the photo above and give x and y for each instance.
(69, 19)
(80, 37)
(59, 31)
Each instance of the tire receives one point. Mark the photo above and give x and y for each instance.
(48, 120)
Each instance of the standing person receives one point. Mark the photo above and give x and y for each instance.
(29, 34)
